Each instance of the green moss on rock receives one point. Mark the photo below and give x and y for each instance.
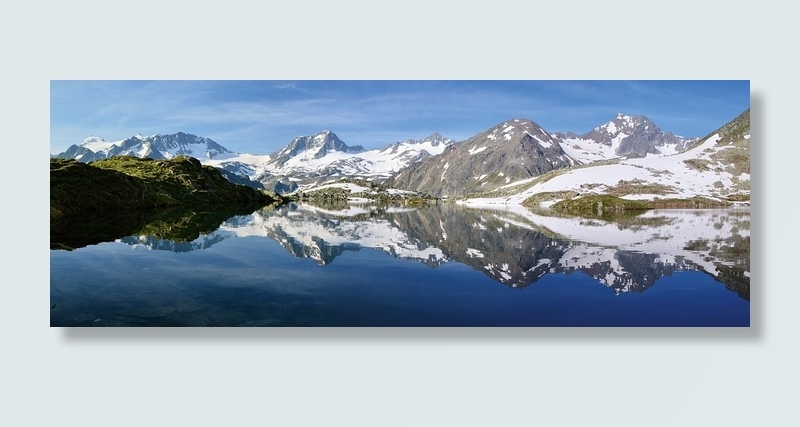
(125, 182)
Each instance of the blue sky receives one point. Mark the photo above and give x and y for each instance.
(260, 117)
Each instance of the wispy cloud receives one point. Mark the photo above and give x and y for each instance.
(282, 85)
(262, 116)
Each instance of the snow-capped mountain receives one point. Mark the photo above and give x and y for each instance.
(310, 160)
(513, 150)
(410, 151)
(154, 146)
(306, 160)
(304, 148)
(715, 167)
(623, 136)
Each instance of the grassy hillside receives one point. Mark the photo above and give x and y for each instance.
(122, 183)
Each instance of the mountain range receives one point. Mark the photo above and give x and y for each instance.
(715, 168)
(511, 162)
(155, 147)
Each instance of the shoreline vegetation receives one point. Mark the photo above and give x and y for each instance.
(130, 183)
(598, 203)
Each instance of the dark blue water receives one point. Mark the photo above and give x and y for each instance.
(303, 267)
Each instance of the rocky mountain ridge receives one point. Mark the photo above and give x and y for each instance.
(503, 156)
(513, 150)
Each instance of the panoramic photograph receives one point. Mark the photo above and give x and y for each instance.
(392, 203)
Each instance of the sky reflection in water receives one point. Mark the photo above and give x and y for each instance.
(442, 265)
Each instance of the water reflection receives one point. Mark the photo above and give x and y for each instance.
(515, 246)
(175, 225)
(371, 265)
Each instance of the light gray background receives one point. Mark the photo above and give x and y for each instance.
(198, 377)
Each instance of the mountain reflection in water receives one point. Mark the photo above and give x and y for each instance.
(516, 246)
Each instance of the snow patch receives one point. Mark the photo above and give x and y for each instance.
(475, 150)
(541, 142)
(474, 253)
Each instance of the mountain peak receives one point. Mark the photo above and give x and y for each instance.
(514, 129)
(325, 137)
(316, 147)
(512, 150)
(92, 139)
(436, 139)
(622, 118)
(635, 136)
(625, 124)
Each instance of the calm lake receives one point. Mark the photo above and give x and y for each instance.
(368, 265)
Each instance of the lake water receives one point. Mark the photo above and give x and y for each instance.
(365, 265)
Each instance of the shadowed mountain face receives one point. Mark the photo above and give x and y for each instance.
(515, 248)
(514, 150)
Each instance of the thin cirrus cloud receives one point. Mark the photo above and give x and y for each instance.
(263, 116)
